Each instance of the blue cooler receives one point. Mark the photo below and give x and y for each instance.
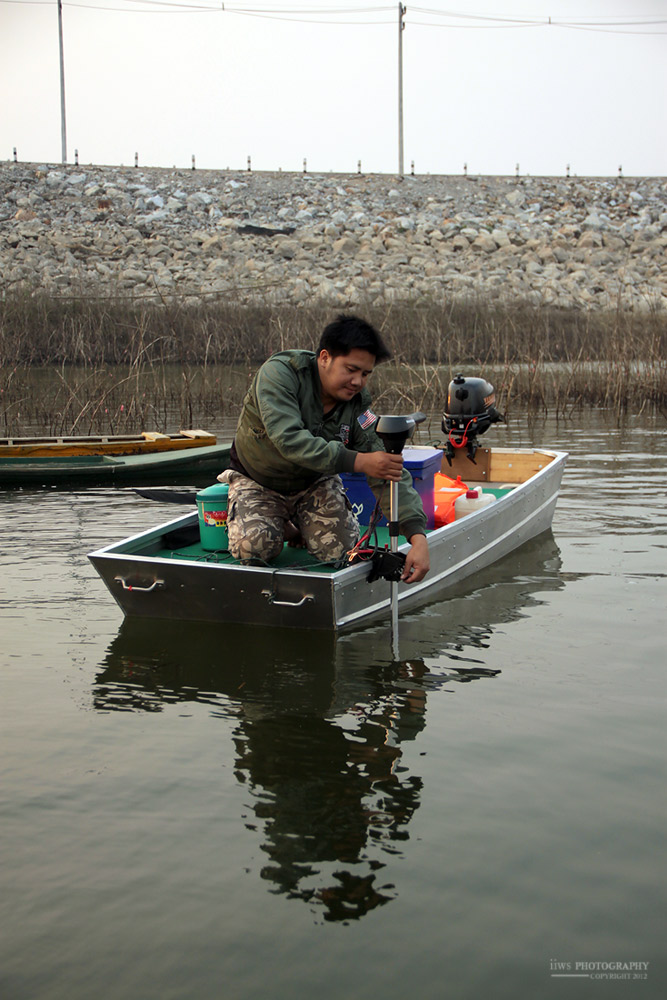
(421, 463)
(212, 509)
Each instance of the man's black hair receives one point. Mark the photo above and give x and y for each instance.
(348, 333)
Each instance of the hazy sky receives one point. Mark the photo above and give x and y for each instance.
(490, 84)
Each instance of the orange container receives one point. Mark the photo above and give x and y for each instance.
(446, 490)
(443, 482)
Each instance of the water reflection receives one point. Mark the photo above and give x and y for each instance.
(327, 795)
(320, 724)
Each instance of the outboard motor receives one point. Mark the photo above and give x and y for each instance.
(470, 412)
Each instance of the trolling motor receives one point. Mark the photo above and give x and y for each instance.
(470, 412)
(393, 431)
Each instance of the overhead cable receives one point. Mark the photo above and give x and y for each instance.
(350, 14)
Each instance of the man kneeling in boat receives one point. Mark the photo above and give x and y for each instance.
(305, 419)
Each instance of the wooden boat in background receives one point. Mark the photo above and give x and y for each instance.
(114, 457)
(166, 573)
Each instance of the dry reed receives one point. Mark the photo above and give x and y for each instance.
(86, 365)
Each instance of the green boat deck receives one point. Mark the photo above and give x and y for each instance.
(289, 558)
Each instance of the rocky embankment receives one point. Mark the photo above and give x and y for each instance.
(333, 238)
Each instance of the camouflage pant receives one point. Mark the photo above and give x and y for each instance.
(258, 516)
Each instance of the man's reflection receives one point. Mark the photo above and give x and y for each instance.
(321, 725)
(330, 796)
(327, 789)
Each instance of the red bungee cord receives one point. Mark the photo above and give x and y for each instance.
(464, 440)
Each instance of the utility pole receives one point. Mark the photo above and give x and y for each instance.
(63, 130)
(401, 28)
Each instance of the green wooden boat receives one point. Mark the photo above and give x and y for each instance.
(146, 458)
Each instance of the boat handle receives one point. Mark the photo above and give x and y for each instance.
(155, 585)
(268, 594)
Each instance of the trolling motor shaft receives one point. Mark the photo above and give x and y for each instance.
(394, 431)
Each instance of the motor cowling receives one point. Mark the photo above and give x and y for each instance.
(470, 411)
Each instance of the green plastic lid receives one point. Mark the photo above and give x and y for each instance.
(217, 491)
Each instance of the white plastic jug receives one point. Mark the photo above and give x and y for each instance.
(470, 501)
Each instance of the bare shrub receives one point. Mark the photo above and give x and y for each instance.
(123, 365)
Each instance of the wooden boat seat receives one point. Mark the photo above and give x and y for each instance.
(502, 466)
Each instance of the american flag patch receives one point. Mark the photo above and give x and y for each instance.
(366, 419)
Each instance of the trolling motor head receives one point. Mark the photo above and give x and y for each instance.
(394, 431)
(470, 412)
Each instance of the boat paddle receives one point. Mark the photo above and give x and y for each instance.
(168, 496)
(394, 431)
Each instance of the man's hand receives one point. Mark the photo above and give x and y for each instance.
(379, 465)
(417, 561)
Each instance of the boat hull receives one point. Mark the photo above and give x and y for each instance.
(69, 446)
(155, 467)
(146, 584)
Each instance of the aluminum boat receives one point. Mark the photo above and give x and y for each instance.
(165, 573)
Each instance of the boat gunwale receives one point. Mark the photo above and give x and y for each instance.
(69, 445)
(409, 593)
(346, 574)
(167, 456)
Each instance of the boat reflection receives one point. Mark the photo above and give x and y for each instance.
(320, 724)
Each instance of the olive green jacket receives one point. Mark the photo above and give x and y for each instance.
(284, 440)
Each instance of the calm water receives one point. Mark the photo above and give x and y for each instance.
(199, 812)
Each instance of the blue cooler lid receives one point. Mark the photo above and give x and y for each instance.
(426, 459)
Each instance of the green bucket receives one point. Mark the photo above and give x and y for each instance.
(212, 508)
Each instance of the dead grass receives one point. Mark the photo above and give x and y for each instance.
(86, 366)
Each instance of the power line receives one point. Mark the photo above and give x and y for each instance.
(307, 14)
(617, 25)
(291, 15)
(181, 8)
(546, 19)
(301, 19)
(532, 24)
